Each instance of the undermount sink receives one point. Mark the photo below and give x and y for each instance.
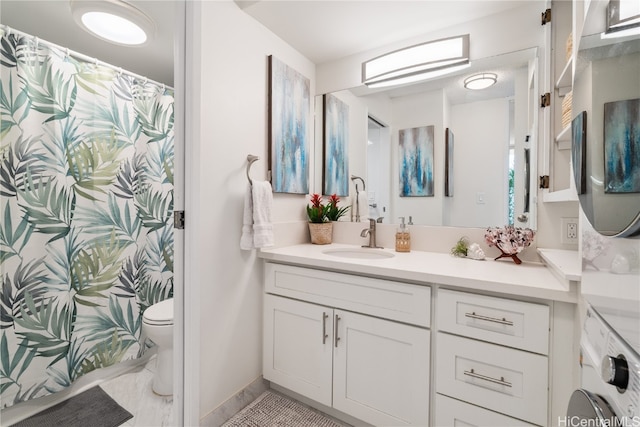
(358, 253)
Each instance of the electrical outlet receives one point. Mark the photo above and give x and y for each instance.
(569, 231)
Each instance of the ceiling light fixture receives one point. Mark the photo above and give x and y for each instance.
(480, 81)
(114, 21)
(623, 19)
(419, 62)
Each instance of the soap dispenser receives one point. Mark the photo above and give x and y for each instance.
(403, 238)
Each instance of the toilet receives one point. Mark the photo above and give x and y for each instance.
(157, 324)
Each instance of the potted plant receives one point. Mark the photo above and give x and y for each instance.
(320, 227)
(334, 213)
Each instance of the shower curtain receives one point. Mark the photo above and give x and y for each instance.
(86, 199)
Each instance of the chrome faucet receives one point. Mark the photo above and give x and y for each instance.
(371, 232)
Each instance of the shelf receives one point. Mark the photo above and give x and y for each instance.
(566, 263)
(564, 83)
(563, 139)
(566, 195)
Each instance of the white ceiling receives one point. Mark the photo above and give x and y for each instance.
(322, 30)
(51, 20)
(326, 30)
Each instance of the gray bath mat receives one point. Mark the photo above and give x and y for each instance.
(271, 409)
(94, 408)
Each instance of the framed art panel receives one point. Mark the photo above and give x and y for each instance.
(289, 128)
(579, 151)
(416, 161)
(335, 172)
(448, 163)
(622, 146)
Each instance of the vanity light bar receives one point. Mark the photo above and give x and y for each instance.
(418, 62)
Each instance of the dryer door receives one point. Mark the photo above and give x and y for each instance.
(585, 405)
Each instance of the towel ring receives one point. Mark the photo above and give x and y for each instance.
(250, 159)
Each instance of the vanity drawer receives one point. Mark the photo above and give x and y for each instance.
(451, 412)
(512, 323)
(377, 297)
(505, 380)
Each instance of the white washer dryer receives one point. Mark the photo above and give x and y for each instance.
(610, 391)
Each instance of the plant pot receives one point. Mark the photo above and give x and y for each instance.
(321, 233)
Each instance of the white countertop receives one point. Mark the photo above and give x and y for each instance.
(527, 279)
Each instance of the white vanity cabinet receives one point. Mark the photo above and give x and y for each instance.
(493, 353)
(374, 369)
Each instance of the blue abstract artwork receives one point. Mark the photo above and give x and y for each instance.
(622, 146)
(416, 161)
(289, 128)
(336, 147)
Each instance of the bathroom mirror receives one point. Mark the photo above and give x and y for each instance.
(607, 87)
(491, 129)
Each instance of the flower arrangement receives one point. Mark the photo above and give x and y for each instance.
(509, 240)
(317, 212)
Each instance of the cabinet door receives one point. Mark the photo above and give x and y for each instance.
(381, 370)
(297, 346)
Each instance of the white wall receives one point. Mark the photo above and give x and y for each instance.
(229, 103)
(481, 132)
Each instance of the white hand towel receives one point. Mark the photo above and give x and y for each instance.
(262, 203)
(246, 240)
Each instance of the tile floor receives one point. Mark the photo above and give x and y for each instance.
(133, 392)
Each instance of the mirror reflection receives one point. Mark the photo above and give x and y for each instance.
(607, 88)
(490, 131)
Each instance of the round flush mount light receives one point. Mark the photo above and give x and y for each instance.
(115, 21)
(480, 81)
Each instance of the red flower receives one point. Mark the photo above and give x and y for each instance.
(316, 201)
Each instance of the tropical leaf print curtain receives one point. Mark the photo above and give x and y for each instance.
(86, 196)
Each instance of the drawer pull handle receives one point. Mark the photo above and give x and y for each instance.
(501, 381)
(335, 331)
(502, 321)
(324, 327)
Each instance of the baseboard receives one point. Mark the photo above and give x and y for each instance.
(234, 404)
